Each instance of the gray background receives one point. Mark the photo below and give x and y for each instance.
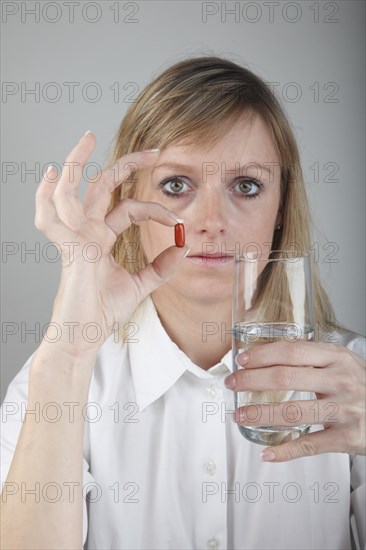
(314, 51)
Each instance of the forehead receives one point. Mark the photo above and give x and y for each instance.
(248, 140)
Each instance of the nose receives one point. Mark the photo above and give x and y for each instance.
(211, 219)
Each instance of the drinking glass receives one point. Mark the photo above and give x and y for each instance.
(272, 301)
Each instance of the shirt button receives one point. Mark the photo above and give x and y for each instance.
(212, 391)
(210, 467)
(213, 543)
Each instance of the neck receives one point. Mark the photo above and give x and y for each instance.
(200, 330)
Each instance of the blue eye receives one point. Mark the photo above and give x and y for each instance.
(248, 188)
(174, 186)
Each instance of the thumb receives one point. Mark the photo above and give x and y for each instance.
(160, 269)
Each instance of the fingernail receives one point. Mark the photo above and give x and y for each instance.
(243, 358)
(176, 218)
(187, 252)
(230, 382)
(49, 170)
(151, 150)
(86, 134)
(267, 456)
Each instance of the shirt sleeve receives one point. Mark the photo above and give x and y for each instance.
(358, 497)
(358, 467)
(12, 415)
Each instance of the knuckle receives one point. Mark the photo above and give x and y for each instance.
(39, 191)
(58, 192)
(346, 355)
(334, 347)
(108, 183)
(298, 352)
(66, 164)
(127, 169)
(283, 377)
(355, 418)
(257, 354)
(39, 223)
(126, 202)
(350, 438)
(292, 452)
(307, 447)
(245, 377)
(69, 160)
(347, 384)
(354, 386)
(107, 179)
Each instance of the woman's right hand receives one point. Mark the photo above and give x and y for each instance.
(95, 293)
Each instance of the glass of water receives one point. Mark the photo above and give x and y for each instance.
(272, 301)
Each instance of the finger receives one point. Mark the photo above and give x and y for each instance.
(45, 210)
(293, 353)
(129, 211)
(46, 219)
(281, 377)
(323, 441)
(98, 194)
(160, 270)
(289, 413)
(68, 206)
(75, 163)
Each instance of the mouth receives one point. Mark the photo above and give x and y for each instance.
(211, 259)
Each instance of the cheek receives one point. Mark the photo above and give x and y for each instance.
(255, 220)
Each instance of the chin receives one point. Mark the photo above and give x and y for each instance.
(204, 291)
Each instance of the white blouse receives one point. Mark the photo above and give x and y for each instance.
(166, 467)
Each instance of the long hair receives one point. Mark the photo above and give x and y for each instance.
(197, 100)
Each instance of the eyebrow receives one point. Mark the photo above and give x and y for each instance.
(251, 164)
(174, 166)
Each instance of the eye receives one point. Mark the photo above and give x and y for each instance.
(248, 187)
(174, 186)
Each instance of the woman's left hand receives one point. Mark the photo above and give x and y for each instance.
(338, 380)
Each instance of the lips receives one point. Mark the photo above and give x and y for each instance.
(216, 255)
(209, 256)
(209, 260)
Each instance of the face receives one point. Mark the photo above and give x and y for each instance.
(228, 197)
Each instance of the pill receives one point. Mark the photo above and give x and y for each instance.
(179, 235)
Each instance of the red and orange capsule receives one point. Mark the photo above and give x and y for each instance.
(179, 235)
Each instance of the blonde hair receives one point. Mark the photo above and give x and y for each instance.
(196, 101)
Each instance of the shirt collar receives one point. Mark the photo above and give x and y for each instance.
(157, 362)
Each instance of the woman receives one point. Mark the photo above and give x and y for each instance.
(149, 406)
